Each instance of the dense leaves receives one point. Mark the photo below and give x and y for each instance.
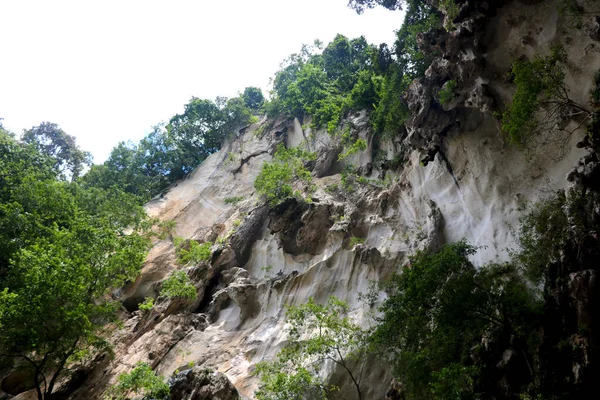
(179, 286)
(63, 247)
(439, 310)
(49, 139)
(140, 381)
(275, 181)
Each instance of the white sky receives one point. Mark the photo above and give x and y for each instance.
(108, 70)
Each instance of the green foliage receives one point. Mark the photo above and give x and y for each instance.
(327, 85)
(200, 130)
(274, 182)
(361, 5)
(253, 98)
(391, 111)
(49, 139)
(267, 269)
(420, 18)
(62, 247)
(571, 10)
(439, 308)
(455, 381)
(356, 240)
(538, 82)
(178, 286)
(233, 200)
(147, 304)
(451, 9)
(192, 252)
(140, 381)
(446, 93)
(166, 229)
(359, 145)
(317, 333)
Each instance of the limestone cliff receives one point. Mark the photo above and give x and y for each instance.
(460, 179)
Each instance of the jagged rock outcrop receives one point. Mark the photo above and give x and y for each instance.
(202, 384)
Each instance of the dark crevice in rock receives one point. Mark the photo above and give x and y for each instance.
(242, 240)
(209, 290)
(446, 162)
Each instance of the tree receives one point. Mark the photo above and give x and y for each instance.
(253, 98)
(439, 309)
(317, 334)
(64, 247)
(541, 109)
(49, 139)
(201, 129)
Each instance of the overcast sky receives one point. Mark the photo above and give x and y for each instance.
(108, 70)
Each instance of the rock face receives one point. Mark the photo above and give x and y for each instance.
(202, 384)
(460, 181)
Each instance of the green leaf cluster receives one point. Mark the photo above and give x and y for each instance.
(147, 304)
(538, 81)
(140, 381)
(359, 145)
(49, 139)
(274, 182)
(446, 93)
(192, 252)
(178, 286)
(233, 200)
(440, 308)
(318, 333)
(327, 85)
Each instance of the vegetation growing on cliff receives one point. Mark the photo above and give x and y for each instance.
(440, 308)
(178, 286)
(63, 247)
(276, 178)
(141, 380)
(541, 109)
(318, 334)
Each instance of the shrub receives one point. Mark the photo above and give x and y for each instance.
(140, 381)
(317, 333)
(195, 252)
(356, 240)
(540, 101)
(451, 9)
(274, 182)
(359, 145)
(179, 286)
(233, 200)
(446, 93)
(147, 305)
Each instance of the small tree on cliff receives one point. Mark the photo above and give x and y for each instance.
(317, 334)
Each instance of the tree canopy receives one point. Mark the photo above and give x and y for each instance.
(63, 246)
(49, 139)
